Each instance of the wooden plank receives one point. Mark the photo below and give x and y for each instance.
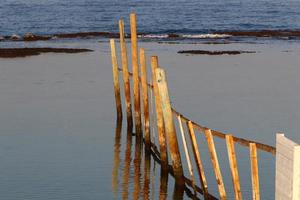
(187, 154)
(241, 141)
(125, 72)
(135, 71)
(169, 125)
(233, 167)
(159, 117)
(116, 78)
(254, 172)
(215, 163)
(144, 82)
(287, 184)
(198, 160)
(296, 173)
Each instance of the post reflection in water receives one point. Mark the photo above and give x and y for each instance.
(127, 162)
(137, 166)
(137, 183)
(178, 192)
(163, 188)
(147, 166)
(117, 146)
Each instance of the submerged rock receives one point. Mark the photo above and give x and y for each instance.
(31, 37)
(204, 52)
(15, 37)
(23, 52)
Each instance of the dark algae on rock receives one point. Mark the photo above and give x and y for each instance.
(23, 52)
(204, 52)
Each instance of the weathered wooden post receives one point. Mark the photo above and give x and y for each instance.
(116, 78)
(233, 167)
(135, 71)
(254, 172)
(197, 157)
(187, 154)
(215, 163)
(169, 125)
(125, 74)
(159, 117)
(144, 82)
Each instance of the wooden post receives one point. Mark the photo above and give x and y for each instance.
(233, 167)
(135, 71)
(169, 125)
(145, 97)
(215, 163)
(187, 154)
(159, 117)
(125, 74)
(197, 158)
(116, 78)
(254, 172)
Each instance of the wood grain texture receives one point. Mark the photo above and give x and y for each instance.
(135, 71)
(169, 125)
(145, 98)
(125, 72)
(254, 172)
(233, 167)
(215, 163)
(115, 71)
(197, 158)
(159, 117)
(187, 153)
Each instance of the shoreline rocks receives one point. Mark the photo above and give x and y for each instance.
(31, 37)
(15, 37)
(23, 52)
(204, 52)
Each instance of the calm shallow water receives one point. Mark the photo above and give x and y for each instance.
(58, 132)
(59, 16)
(58, 124)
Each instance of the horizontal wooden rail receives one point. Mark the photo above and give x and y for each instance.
(241, 141)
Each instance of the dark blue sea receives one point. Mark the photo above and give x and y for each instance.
(159, 17)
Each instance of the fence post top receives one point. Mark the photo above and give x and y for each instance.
(279, 134)
(160, 75)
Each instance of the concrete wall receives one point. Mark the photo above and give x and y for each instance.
(287, 186)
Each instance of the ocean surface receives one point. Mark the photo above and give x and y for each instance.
(159, 17)
(58, 132)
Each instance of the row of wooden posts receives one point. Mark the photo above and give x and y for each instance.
(164, 120)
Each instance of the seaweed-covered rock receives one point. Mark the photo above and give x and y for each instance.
(32, 37)
(15, 37)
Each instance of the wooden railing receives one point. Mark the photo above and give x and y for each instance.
(164, 121)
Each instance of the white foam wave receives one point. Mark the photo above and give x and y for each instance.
(155, 36)
(203, 36)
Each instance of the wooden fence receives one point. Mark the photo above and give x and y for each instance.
(164, 121)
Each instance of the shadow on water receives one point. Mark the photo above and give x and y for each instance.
(138, 179)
